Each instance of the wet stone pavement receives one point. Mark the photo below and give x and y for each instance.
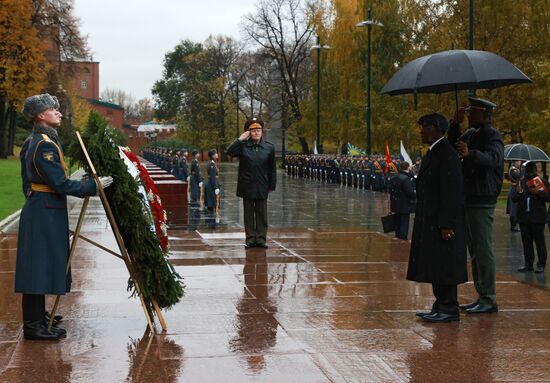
(326, 302)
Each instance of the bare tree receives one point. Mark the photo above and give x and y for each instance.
(222, 55)
(55, 20)
(253, 80)
(283, 29)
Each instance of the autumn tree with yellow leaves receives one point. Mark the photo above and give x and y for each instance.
(413, 28)
(23, 68)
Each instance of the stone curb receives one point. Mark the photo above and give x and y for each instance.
(7, 222)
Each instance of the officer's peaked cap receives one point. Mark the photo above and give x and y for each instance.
(253, 123)
(481, 103)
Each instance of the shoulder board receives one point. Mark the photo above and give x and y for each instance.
(267, 142)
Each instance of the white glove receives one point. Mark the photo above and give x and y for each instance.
(217, 191)
(104, 182)
(200, 184)
(188, 178)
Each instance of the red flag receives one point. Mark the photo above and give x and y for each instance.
(388, 158)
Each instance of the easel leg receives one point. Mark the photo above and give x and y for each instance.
(159, 315)
(71, 254)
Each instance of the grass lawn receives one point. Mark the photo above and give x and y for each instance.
(11, 194)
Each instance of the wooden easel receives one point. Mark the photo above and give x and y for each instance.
(128, 259)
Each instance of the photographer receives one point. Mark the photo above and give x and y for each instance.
(531, 197)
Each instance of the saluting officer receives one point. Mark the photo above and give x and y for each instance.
(43, 245)
(257, 178)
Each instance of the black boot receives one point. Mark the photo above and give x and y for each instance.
(38, 330)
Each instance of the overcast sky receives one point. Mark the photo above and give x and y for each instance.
(130, 37)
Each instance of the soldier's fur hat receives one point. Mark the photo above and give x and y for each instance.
(34, 105)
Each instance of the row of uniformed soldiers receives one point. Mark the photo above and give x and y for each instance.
(364, 172)
(175, 163)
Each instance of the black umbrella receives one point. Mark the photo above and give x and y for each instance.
(525, 152)
(452, 71)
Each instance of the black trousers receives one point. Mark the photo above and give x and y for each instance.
(255, 220)
(446, 299)
(34, 307)
(401, 225)
(533, 232)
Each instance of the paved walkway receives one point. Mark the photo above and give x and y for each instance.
(327, 302)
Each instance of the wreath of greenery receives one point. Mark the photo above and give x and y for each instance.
(158, 278)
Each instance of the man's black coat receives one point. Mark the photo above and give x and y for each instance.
(402, 194)
(439, 205)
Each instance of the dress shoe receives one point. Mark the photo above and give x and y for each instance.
(249, 245)
(525, 269)
(539, 270)
(38, 330)
(441, 318)
(483, 308)
(262, 245)
(467, 306)
(422, 314)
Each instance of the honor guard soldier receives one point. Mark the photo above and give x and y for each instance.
(196, 177)
(43, 245)
(212, 189)
(182, 165)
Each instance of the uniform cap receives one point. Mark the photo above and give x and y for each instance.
(480, 103)
(253, 123)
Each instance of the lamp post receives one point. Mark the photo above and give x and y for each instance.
(237, 92)
(471, 92)
(318, 47)
(369, 23)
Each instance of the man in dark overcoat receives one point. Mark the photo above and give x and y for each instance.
(257, 178)
(43, 243)
(438, 248)
(402, 197)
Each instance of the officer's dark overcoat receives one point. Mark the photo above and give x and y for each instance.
(43, 243)
(440, 205)
(257, 172)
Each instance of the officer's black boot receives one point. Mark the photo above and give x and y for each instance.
(38, 330)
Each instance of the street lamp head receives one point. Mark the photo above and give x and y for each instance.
(369, 22)
(324, 46)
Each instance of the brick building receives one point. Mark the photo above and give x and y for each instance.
(83, 77)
